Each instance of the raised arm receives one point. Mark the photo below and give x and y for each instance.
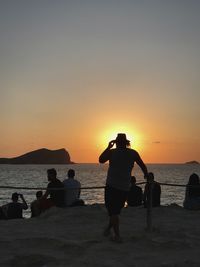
(106, 153)
(25, 206)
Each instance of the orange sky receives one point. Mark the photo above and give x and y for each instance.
(86, 140)
(75, 73)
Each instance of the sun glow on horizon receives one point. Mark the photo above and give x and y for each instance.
(133, 135)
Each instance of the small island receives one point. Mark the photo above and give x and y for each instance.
(40, 156)
(192, 162)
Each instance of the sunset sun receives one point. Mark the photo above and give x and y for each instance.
(111, 132)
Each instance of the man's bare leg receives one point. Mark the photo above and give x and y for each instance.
(108, 228)
(115, 225)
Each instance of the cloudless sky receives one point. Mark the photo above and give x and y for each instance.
(74, 73)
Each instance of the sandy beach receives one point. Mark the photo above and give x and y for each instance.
(73, 237)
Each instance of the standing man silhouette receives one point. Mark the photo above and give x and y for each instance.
(121, 162)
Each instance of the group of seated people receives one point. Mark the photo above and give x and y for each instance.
(136, 197)
(59, 194)
(67, 194)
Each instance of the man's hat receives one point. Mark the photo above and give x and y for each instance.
(121, 138)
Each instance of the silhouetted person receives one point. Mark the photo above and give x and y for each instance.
(14, 209)
(135, 194)
(72, 190)
(2, 214)
(36, 205)
(156, 192)
(192, 193)
(121, 162)
(55, 191)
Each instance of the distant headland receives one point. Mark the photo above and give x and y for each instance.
(192, 162)
(40, 156)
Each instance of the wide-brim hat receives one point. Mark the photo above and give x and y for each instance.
(121, 138)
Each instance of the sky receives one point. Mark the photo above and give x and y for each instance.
(73, 74)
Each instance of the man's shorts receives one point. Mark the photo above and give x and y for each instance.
(114, 200)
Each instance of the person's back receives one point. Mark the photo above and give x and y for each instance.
(156, 192)
(57, 196)
(72, 189)
(14, 209)
(135, 194)
(194, 186)
(2, 215)
(121, 162)
(36, 208)
(192, 193)
(54, 195)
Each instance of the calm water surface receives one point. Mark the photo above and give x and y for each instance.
(92, 175)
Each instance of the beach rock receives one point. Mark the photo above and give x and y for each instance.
(40, 156)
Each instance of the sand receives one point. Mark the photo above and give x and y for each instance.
(73, 237)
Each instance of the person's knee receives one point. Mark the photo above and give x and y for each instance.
(115, 219)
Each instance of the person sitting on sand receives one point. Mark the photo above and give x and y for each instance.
(55, 190)
(156, 192)
(14, 209)
(192, 193)
(121, 162)
(36, 205)
(72, 190)
(2, 215)
(135, 194)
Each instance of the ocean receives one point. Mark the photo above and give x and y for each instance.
(92, 175)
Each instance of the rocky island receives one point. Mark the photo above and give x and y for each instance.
(40, 156)
(192, 162)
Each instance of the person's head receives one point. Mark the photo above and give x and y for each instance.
(194, 179)
(133, 180)
(39, 194)
(15, 197)
(51, 174)
(71, 173)
(151, 176)
(121, 140)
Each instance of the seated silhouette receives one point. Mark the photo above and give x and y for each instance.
(14, 209)
(36, 205)
(135, 194)
(156, 192)
(54, 195)
(2, 214)
(72, 190)
(192, 193)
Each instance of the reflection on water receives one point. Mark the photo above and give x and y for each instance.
(93, 175)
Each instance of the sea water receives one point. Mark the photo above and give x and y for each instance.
(92, 175)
